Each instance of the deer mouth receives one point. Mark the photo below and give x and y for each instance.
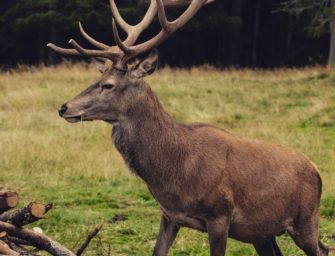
(81, 118)
(112, 121)
(76, 119)
(73, 119)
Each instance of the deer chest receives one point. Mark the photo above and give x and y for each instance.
(123, 144)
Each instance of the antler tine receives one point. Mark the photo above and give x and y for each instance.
(148, 17)
(80, 51)
(162, 17)
(64, 51)
(100, 45)
(116, 14)
(185, 17)
(118, 40)
(93, 53)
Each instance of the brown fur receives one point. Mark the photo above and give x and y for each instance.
(204, 177)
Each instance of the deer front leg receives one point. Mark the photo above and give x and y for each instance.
(217, 230)
(167, 234)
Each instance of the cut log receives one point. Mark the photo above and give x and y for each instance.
(29, 214)
(39, 241)
(6, 250)
(8, 200)
(3, 234)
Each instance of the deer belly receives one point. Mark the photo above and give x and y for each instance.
(249, 228)
(185, 220)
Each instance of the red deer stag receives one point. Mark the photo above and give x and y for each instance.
(203, 177)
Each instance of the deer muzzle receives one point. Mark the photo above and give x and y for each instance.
(62, 110)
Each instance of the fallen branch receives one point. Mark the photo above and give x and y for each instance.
(88, 239)
(39, 241)
(19, 241)
(8, 200)
(26, 215)
(19, 249)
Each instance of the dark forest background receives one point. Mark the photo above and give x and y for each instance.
(253, 33)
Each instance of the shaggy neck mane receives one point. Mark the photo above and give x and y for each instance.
(150, 141)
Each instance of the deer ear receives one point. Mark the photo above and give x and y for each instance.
(147, 66)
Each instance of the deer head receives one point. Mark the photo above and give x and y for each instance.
(121, 84)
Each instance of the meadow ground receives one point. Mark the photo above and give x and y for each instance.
(77, 168)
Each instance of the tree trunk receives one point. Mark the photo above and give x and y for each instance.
(256, 33)
(331, 59)
(235, 40)
(289, 39)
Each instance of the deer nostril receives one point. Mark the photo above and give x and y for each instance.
(62, 110)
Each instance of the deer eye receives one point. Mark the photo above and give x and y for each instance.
(107, 86)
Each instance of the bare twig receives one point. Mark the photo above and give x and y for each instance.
(88, 239)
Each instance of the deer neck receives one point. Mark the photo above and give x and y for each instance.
(150, 141)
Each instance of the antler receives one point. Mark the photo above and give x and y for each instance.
(126, 50)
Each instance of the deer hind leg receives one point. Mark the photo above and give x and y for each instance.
(306, 236)
(268, 248)
(324, 250)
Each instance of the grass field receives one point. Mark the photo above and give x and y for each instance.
(77, 168)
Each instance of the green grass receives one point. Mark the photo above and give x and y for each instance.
(77, 168)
